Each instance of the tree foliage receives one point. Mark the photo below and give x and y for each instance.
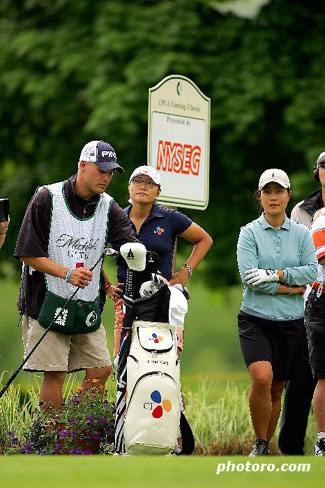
(72, 71)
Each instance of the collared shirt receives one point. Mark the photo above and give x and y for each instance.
(34, 235)
(158, 233)
(289, 248)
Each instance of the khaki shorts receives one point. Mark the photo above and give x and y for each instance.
(60, 352)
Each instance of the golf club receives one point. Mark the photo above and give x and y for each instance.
(107, 252)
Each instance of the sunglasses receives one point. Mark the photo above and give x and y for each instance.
(148, 183)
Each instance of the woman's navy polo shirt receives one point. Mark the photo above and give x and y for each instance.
(158, 233)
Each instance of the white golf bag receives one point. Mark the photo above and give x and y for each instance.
(152, 419)
(148, 364)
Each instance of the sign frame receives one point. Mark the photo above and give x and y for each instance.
(166, 86)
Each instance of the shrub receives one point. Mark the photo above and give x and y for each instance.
(83, 425)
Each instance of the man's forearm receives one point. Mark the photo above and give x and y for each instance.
(46, 265)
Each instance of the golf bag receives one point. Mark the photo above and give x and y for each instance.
(152, 419)
(149, 369)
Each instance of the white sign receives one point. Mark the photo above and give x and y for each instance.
(179, 141)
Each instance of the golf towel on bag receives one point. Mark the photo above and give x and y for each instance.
(153, 383)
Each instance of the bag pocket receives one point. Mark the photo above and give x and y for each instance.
(76, 317)
(153, 415)
(155, 339)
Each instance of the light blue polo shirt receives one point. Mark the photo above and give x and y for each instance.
(290, 248)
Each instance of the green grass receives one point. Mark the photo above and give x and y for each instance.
(158, 472)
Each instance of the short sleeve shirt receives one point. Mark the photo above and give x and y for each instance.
(34, 233)
(158, 233)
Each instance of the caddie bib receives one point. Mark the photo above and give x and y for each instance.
(74, 242)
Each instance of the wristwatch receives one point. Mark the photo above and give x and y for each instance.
(189, 269)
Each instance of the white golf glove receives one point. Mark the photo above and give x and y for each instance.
(134, 254)
(255, 276)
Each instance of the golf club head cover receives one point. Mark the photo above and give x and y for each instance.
(134, 254)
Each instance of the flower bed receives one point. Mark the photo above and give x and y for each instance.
(83, 425)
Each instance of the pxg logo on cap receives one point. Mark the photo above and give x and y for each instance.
(102, 154)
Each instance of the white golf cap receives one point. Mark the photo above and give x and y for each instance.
(153, 173)
(274, 175)
(321, 158)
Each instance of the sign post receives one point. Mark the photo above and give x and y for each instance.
(179, 141)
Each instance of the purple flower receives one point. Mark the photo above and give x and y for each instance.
(27, 448)
(96, 435)
(87, 452)
(25, 451)
(89, 419)
(63, 433)
(57, 447)
(72, 421)
(15, 441)
(73, 433)
(11, 432)
(74, 401)
(75, 451)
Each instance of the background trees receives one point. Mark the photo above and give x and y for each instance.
(75, 71)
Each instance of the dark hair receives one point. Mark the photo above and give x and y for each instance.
(257, 198)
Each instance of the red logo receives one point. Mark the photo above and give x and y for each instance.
(179, 158)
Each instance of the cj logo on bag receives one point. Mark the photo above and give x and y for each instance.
(156, 339)
(61, 316)
(158, 405)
